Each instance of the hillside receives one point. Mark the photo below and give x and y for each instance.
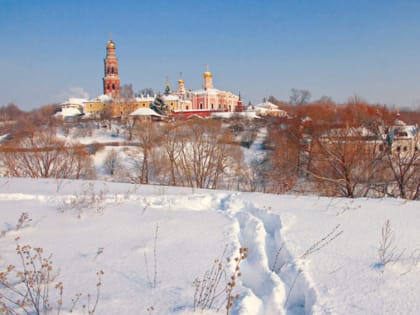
(306, 255)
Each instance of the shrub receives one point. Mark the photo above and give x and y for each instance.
(28, 288)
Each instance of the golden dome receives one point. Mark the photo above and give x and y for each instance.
(180, 81)
(110, 44)
(207, 74)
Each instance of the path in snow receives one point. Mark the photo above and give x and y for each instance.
(256, 152)
(271, 281)
(270, 274)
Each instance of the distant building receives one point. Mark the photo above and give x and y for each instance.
(181, 103)
(205, 101)
(146, 114)
(267, 109)
(101, 105)
(402, 138)
(73, 107)
(111, 80)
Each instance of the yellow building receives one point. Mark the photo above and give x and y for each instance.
(105, 105)
(101, 105)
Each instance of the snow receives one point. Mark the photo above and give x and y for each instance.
(191, 227)
(145, 98)
(4, 137)
(74, 101)
(267, 105)
(227, 115)
(145, 112)
(70, 112)
(267, 108)
(102, 98)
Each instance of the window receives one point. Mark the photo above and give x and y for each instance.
(201, 105)
(113, 86)
(112, 70)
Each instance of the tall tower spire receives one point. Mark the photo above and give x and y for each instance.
(111, 80)
(208, 79)
(181, 86)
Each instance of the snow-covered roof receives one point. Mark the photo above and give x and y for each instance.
(349, 132)
(74, 101)
(267, 105)
(403, 131)
(102, 98)
(70, 112)
(145, 112)
(267, 108)
(145, 98)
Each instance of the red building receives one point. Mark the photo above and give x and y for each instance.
(111, 80)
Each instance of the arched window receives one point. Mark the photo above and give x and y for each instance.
(108, 87)
(113, 86)
(201, 105)
(112, 70)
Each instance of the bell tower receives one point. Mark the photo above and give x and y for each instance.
(111, 78)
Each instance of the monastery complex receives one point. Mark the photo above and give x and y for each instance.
(179, 103)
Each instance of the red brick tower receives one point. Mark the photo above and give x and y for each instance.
(111, 79)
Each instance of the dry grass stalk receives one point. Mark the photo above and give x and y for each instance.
(32, 288)
(215, 289)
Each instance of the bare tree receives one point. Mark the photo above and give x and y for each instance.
(173, 140)
(207, 153)
(127, 92)
(147, 136)
(404, 169)
(283, 156)
(42, 154)
(299, 97)
(145, 92)
(111, 162)
(343, 162)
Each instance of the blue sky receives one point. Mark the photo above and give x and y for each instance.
(54, 49)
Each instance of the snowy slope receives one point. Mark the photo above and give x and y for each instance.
(117, 233)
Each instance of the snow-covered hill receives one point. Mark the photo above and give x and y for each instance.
(306, 255)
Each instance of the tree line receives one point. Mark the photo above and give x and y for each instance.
(322, 147)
